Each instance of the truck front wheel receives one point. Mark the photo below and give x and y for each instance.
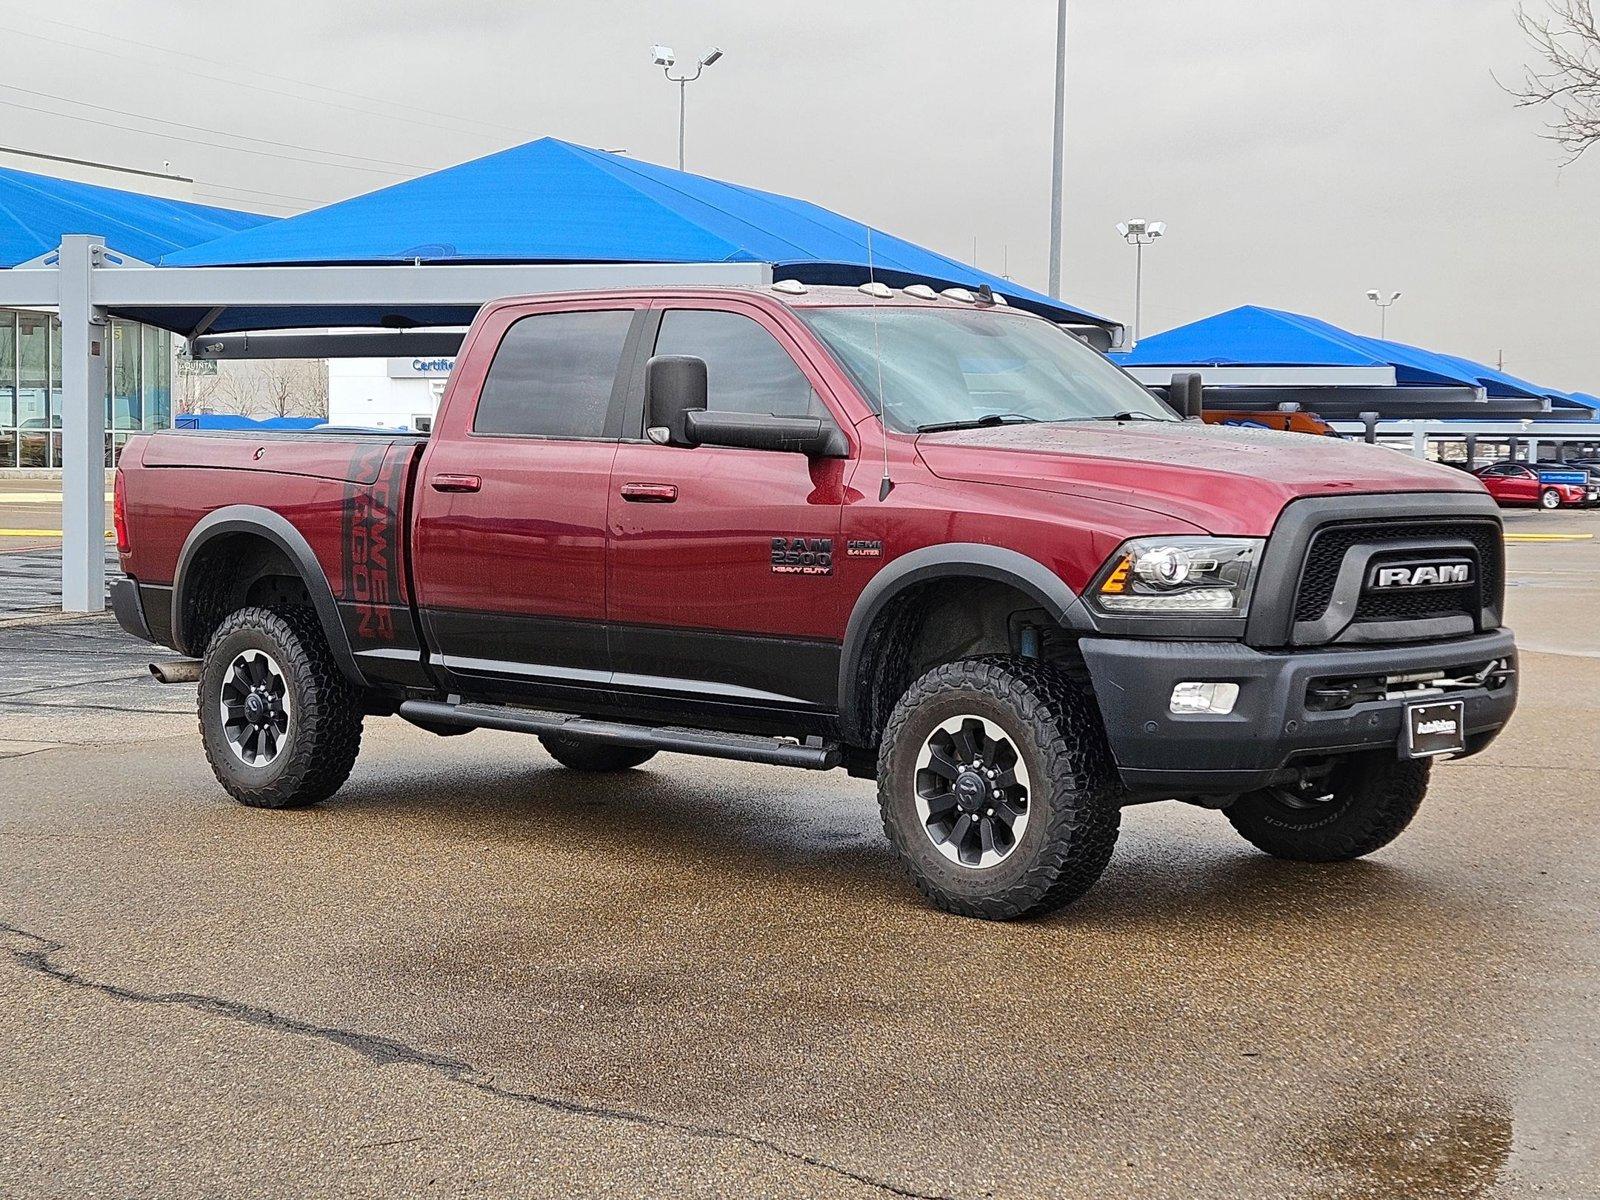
(1364, 803)
(281, 726)
(997, 788)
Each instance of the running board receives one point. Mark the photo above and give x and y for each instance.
(813, 754)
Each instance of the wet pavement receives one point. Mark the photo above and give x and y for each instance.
(475, 973)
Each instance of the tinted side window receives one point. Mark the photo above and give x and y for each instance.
(552, 375)
(747, 370)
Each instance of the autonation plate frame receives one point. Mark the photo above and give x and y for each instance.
(1435, 728)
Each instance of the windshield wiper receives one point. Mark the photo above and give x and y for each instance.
(1127, 415)
(983, 422)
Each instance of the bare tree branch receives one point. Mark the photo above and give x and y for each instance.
(1567, 37)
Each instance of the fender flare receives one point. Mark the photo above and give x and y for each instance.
(968, 560)
(276, 529)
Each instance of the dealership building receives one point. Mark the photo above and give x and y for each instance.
(387, 393)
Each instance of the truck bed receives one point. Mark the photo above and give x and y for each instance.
(336, 502)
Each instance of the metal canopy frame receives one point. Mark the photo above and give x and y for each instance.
(1512, 431)
(89, 284)
(397, 343)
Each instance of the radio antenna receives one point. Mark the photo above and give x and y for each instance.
(886, 484)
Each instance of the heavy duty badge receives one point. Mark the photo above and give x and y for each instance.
(802, 556)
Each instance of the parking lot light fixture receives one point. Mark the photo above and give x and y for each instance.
(1383, 302)
(666, 60)
(1139, 233)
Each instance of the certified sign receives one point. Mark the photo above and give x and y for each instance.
(421, 368)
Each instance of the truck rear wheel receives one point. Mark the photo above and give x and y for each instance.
(280, 725)
(1364, 804)
(997, 788)
(580, 755)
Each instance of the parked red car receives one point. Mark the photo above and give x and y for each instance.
(1519, 483)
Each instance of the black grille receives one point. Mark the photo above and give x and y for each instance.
(1417, 606)
(1330, 544)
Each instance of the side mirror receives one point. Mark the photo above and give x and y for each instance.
(815, 437)
(674, 386)
(1187, 394)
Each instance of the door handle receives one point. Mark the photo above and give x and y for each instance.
(650, 493)
(455, 483)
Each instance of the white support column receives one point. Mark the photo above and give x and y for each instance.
(1419, 443)
(85, 347)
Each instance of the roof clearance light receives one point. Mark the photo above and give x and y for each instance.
(878, 291)
(790, 287)
(1001, 300)
(922, 292)
(961, 294)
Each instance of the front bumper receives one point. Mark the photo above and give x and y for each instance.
(1272, 726)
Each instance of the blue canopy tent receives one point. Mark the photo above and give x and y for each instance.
(408, 263)
(234, 422)
(1252, 336)
(37, 210)
(551, 201)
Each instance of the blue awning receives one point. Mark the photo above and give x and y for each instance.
(1268, 337)
(551, 201)
(37, 211)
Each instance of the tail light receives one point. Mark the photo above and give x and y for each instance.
(119, 514)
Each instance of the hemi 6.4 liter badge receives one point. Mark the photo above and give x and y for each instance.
(864, 548)
(802, 556)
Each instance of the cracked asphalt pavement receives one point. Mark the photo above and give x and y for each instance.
(475, 973)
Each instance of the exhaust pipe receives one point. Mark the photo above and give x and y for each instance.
(177, 670)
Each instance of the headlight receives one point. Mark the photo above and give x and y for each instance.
(1179, 576)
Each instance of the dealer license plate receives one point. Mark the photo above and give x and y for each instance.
(1438, 728)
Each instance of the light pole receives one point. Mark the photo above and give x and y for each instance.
(1056, 161)
(1377, 298)
(665, 59)
(1139, 233)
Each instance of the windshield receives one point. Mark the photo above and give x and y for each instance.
(949, 368)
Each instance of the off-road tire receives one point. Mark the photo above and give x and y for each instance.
(1073, 809)
(1549, 499)
(324, 734)
(580, 755)
(1375, 795)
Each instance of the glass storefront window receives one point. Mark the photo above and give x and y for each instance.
(157, 380)
(8, 389)
(33, 396)
(127, 404)
(138, 386)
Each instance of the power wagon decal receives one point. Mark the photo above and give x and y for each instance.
(372, 543)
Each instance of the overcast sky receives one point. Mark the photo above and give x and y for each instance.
(1301, 153)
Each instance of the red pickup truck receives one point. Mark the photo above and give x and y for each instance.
(926, 537)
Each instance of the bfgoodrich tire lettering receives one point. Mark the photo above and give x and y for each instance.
(1071, 800)
(316, 751)
(1372, 798)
